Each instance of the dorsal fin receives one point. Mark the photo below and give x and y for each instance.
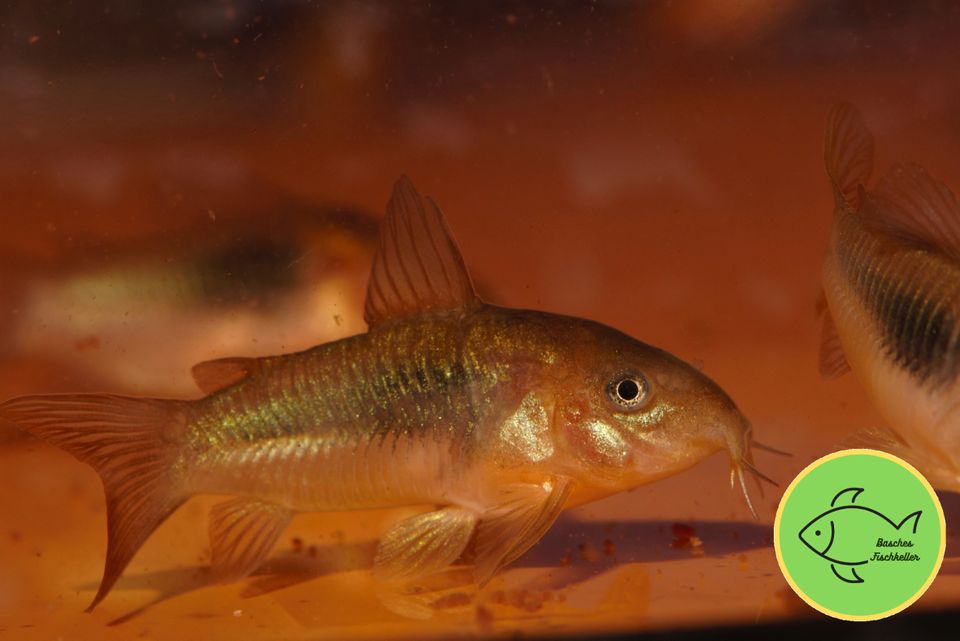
(853, 498)
(909, 199)
(221, 373)
(848, 153)
(417, 267)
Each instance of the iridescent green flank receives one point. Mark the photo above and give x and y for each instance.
(911, 292)
(438, 377)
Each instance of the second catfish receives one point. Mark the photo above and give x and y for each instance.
(891, 280)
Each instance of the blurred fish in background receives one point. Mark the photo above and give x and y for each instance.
(141, 236)
(891, 282)
(136, 316)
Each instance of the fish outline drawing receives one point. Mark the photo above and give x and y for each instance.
(839, 534)
(498, 418)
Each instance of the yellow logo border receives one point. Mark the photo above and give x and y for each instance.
(840, 454)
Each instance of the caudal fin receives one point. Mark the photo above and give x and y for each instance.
(913, 519)
(131, 443)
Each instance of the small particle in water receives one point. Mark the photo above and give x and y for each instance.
(696, 546)
(566, 558)
(681, 535)
(337, 319)
(297, 543)
(34, 39)
(685, 537)
(238, 613)
(608, 548)
(87, 343)
(588, 553)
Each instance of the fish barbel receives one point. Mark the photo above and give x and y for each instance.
(891, 282)
(499, 418)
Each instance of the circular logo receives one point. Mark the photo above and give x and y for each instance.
(859, 534)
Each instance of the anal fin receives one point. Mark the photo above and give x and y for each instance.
(424, 544)
(847, 573)
(242, 533)
(509, 529)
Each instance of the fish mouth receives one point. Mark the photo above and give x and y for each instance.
(740, 448)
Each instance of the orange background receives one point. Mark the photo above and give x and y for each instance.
(656, 167)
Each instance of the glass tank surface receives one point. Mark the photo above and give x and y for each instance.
(337, 319)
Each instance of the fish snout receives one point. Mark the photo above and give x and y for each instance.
(734, 433)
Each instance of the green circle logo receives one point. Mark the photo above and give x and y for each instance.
(859, 534)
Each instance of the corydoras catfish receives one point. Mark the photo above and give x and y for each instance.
(891, 280)
(499, 418)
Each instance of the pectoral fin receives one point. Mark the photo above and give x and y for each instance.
(242, 533)
(846, 573)
(520, 520)
(424, 544)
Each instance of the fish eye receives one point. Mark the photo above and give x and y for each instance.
(628, 391)
(817, 532)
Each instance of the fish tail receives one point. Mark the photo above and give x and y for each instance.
(914, 518)
(848, 154)
(132, 443)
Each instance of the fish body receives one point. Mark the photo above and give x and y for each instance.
(847, 534)
(496, 418)
(891, 283)
(474, 398)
